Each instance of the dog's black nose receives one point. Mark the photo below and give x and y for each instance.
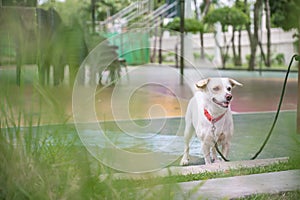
(228, 97)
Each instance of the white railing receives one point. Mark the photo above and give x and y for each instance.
(155, 18)
(129, 13)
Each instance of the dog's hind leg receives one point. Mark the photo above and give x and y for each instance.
(188, 133)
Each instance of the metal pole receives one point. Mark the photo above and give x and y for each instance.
(181, 40)
(297, 58)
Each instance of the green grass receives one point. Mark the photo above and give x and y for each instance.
(39, 162)
(170, 186)
(274, 67)
(28, 75)
(292, 195)
(45, 163)
(292, 164)
(230, 65)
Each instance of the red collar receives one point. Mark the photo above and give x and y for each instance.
(210, 118)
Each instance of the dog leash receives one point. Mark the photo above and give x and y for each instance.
(213, 129)
(297, 58)
(213, 120)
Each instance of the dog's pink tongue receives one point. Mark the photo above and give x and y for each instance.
(226, 103)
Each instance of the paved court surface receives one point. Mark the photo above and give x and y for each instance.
(156, 91)
(152, 84)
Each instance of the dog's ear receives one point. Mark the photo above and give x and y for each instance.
(235, 83)
(202, 83)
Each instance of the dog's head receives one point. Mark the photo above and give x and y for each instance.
(218, 90)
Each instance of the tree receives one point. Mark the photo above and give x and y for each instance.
(191, 25)
(253, 36)
(268, 24)
(204, 7)
(238, 57)
(226, 16)
(258, 10)
(286, 14)
(106, 8)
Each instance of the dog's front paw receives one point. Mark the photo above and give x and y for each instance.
(184, 161)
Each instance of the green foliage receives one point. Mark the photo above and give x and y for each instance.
(280, 196)
(174, 25)
(190, 25)
(20, 3)
(242, 6)
(227, 16)
(48, 161)
(285, 13)
(103, 7)
(279, 59)
(70, 10)
(7, 48)
(81, 9)
(194, 26)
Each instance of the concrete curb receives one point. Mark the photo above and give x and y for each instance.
(196, 169)
(241, 186)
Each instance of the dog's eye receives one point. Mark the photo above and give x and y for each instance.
(229, 89)
(216, 89)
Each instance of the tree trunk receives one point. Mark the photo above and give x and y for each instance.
(263, 56)
(19, 64)
(253, 44)
(176, 54)
(202, 46)
(93, 13)
(182, 25)
(160, 59)
(268, 24)
(152, 59)
(233, 46)
(206, 9)
(253, 37)
(224, 52)
(197, 14)
(239, 57)
(298, 102)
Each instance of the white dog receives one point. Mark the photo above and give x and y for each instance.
(209, 115)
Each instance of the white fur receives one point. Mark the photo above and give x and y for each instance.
(210, 95)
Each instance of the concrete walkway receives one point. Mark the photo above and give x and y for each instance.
(197, 169)
(241, 186)
(221, 188)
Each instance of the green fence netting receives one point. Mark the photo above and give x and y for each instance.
(132, 46)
